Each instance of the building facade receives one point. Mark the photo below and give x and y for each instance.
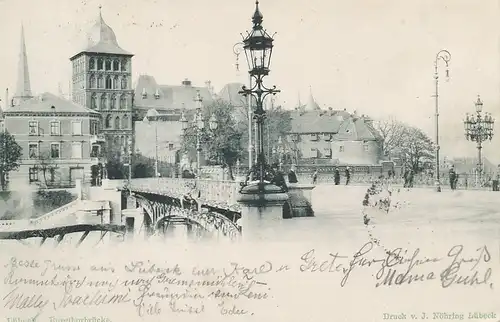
(60, 140)
(101, 81)
(332, 137)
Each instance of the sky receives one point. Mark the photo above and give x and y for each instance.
(372, 56)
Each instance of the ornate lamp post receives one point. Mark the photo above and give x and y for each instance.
(152, 116)
(445, 56)
(479, 128)
(258, 46)
(237, 50)
(198, 125)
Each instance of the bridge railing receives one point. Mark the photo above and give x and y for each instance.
(57, 213)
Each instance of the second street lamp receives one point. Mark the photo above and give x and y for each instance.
(479, 128)
(258, 46)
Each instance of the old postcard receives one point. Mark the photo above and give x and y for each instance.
(167, 160)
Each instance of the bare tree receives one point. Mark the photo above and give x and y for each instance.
(46, 165)
(393, 133)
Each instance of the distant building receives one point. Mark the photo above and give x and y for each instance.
(102, 82)
(330, 136)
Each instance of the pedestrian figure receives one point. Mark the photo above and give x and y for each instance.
(496, 179)
(292, 177)
(410, 178)
(405, 177)
(453, 176)
(337, 176)
(315, 177)
(279, 179)
(347, 175)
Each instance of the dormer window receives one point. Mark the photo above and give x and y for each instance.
(327, 136)
(157, 94)
(144, 94)
(327, 152)
(295, 137)
(314, 137)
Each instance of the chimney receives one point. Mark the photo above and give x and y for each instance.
(186, 82)
(6, 103)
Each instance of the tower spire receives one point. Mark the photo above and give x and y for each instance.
(23, 89)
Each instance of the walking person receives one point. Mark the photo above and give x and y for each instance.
(292, 177)
(496, 178)
(452, 174)
(411, 176)
(315, 177)
(347, 175)
(336, 176)
(405, 177)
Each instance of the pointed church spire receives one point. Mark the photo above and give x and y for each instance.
(311, 104)
(23, 89)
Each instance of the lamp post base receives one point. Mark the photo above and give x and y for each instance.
(438, 186)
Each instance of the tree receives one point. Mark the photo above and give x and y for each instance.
(406, 142)
(142, 167)
(222, 145)
(10, 156)
(393, 133)
(46, 164)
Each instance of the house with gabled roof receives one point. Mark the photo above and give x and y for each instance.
(321, 136)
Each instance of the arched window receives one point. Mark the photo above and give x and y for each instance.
(104, 102)
(117, 123)
(93, 101)
(122, 141)
(108, 64)
(112, 104)
(100, 64)
(125, 122)
(115, 82)
(124, 65)
(108, 121)
(91, 63)
(116, 141)
(92, 82)
(116, 65)
(123, 102)
(100, 83)
(108, 82)
(124, 82)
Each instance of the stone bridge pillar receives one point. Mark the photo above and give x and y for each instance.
(300, 200)
(261, 211)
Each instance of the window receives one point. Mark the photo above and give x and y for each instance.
(55, 128)
(52, 173)
(115, 82)
(117, 123)
(314, 137)
(33, 174)
(33, 127)
(116, 65)
(108, 64)
(94, 127)
(124, 82)
(124, 65)
(108, 82)
(170, 146)
(123, 102)
(100, 82)
(107, 123)
(125, 122)
(76, 150)
(100, 64)
(76, 128)
(55, 150)
(341, 148)
(104, 102)
(112, 104)
(365, 147)
(91, 63)
(328, 152)
(92, 82)
(33, 150)
(93, 101)
(327, 137)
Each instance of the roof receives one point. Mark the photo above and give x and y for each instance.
(44, 102)
(341, 123)
(230, 93)
(102, 39)
(168, 97)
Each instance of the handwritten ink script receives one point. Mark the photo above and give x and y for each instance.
(152, 288)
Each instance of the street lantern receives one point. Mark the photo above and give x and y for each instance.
(479, 128)
(213, 123)
(258, 46)
(199, 121)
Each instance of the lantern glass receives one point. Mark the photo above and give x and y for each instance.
(199, 122)
(213, 123)
(479, 106)
(258, 49)
(183, 121)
